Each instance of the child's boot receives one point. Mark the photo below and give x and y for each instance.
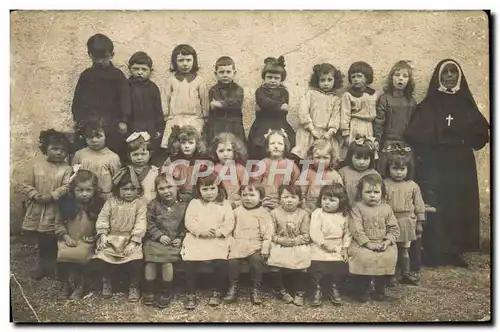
(64, 290)
(190, 303)
(106, 288)
(393, 281)
(133, 292)
(165, 294)
(40, 271)
(334, 295)
(409, 279)
(299, 299)
(284, 295)
(256, 294)
(316, 302)
(148, 297)
(215, 299)
(78, 291)
(231, 293)
(380, 284)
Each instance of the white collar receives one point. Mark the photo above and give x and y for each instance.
(441, 87)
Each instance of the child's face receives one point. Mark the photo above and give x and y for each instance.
(102, 61)
(140, 72)
(225, 74)
(360, 163)
(225, 152)
(326, 81)
(140, 157)
(166, 191)
(250, 197)
(400, 79)
(273, 80)
(276, 148)
(330, 204)
(188, 146)
(371, 194)
(358, 80)
(84, 191)
(288, 201)
(56, 153)
(129, 192)
(449, 76)
(184, 63)
(398, 173)
(97, 141)
(322, 157)
(209, 193)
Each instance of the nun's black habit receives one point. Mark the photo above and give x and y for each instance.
(445, 129)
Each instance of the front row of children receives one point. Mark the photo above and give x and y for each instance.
(287, 239)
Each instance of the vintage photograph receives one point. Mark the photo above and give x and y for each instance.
(250, 166)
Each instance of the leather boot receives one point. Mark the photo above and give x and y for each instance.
(299, 299)
(133, 292)
(285, 296)
(165, 294)
(256, 294)
(78, 291)
(334, 295)
(64, 290)
(106, 288)
(215, 300)
(316, 302)
(231, 293)
(190, 303)
(148, 297)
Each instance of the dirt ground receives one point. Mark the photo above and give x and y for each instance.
(445, 294)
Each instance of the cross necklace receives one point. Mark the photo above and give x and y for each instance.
(448, 119)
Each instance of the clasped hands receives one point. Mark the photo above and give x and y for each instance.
(379, 247)
(129, 248)
(212, 233)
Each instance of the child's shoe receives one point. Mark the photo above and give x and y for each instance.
(106, 288)
(165, 295)
(148, 296)
(215, 299)
(133, 293)
(77, 292)
(231, 293)
(64, 290)
(316, 302)
(285, 296)
(334, 295)
(408, 279)
(190, 303)
(256, 295)
(299, 299)
(39, 272)
(393, 281)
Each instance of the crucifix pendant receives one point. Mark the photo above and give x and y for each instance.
(448, 119)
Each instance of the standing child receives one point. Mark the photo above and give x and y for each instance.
(139, 153)
(186, 146)
(163, 240)
(330, 239)
(47, 182)
(76, 232)
(358, 106)
(251, 239)
(209, 222)
(103, 92)
(186, 95)
(360, 161)
(278, 169)
(98, 158)
(374, 230)
(290, 252)
(229, 154)
(226, 101)
(319, 114)
(405, 199)
(394, 110)
(272, 100)
(320, 173)
(120, 227)
(147, 112)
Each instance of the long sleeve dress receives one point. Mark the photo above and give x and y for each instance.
(229, 117)
(291, 225)
(405, 199)
(122, 222)
(351, 179)
(77, 228)
(44, 178)
(186, 102)
(147, 112)
(357, 112)
(103, 93)
(252, 233)
(200, 217)
(148, 182)
(268, 115)
(372, 224)
(322, 111)
(104, 163)
(331, 229)
(314, 184)
(163, 219)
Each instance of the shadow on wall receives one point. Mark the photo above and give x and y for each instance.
(48, 53)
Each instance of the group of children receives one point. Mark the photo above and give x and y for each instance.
(348, 210)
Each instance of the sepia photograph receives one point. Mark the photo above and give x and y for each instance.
(250, 166)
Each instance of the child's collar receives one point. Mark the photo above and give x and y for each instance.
(281, 86)
(331, 92)
(357, 93)
(139, 82)
(188, 76)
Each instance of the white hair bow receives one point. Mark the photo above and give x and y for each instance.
(136, 135)
(283, 132)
